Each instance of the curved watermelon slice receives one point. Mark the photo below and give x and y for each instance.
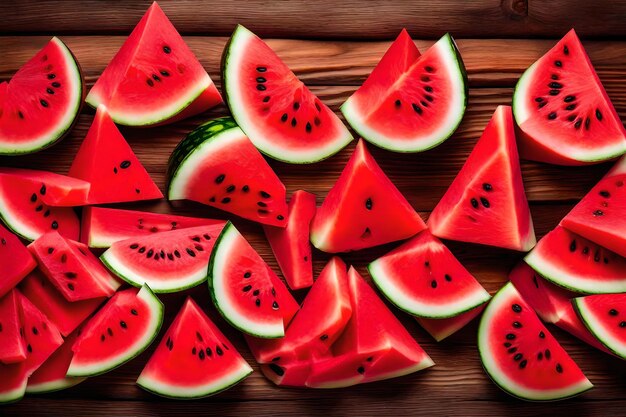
(604, 316)
(168, 261)
(423, 278)
(216, 164)
(101, 227)
(440, 329)
(412, 103)
(363, 209)
(15, 261)
(154, 77)
(12, 344)
(599, 215)
(577, 264)
(121, 330)
(521, 356)
(194, 359)
(49, 188)
(107, 162)
(277, 111)
(41, 102)
(291, 245)
(563, 112)
(245, 290)
(486, 202)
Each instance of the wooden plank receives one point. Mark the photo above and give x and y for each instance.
(325, 18)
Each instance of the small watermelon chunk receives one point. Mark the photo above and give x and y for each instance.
(291, 245)
(577, 264)
(194, 359)
(563, 112)
(289, 373)
(13, 382)
(154, 78)
(604, 315)
(107, 162)
(280, 115)
(599, 216)
(168, 261)
(121, 330)
(12, 344)
(440, 329)
(101, 227)
(217, 165)
(423, 278)
(245, 290)
(363, 209)
(42, 101)
(521, 356)
(66, 315)
(15, 261)
(418, 103)
(72, 268)
(48, 188)
(486, 202)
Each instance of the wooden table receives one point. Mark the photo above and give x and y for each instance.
(333, 46)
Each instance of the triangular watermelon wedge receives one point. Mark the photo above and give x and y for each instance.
(107, 161)
(12, 344)
(363, 209)
(486, 202)
(13, 382)
(154, 78)
(49, 188)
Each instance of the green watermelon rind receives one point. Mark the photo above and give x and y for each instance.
(72, 115)
(398, 299)
(238, 111)
(224, 240)
(54, 386)
(157, 308)
(588, 319)
(14, 395)
(371, 136)
(501, 381)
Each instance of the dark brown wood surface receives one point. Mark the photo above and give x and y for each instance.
(334, 61)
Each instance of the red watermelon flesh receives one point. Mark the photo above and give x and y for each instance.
(486, 202)
(564, 115)
(363, 209)
(41, 102)
(12, 344)
(65, 314)
(13, 382)
(72, 268)
(317, 325)
(154, 77)
(107, 161)
(570, 322)
(49, 188)
(440, 329)
(291, 245)
(101, 227)
(194, 359)
(15, 261)
(599, 215)
(288, 373)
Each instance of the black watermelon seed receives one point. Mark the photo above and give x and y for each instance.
(275, 305)
(156, 78)
(448, 277)
(220, 179)
(261, 87)
(284, 117)
(555, 92)
(523, 364)
(195, 239)
(367, 233)
(142, 249)
(123, 325)
(265, 194)
(554, 77)
(417, 109)
(485, 202)
(260, 79)
(558, 63)
(125, 164)
(261, 69)
(518, 357)
(263, 212)
(433, 283)
(578, 123)
(150, 82)
(398, 103)
(425, 78)
(137, 190)
(156, 257)
(209, 352)
(568, 99)
(613, 312)
(368, 204)
(596, 256)
(54, 225)
(50, 250)
(51, 76)
(199, 248)
(517, 324)
(427, 264)
(585, 250)
(428, 69)
(572, 246)
(266, 99)
(517, 308)
(423, 103)
(29, 348)
(318, 107)
(256, 292)
(247, 274)
(308, 127)
(605, 194)
(512, 350)
(571, 117)
(261, 204)
(193, 350)
(548, 354)
(247, 288)
(4, 242)
(150, 253)
(49, 90)
(360, 370)
(71, 275)
(540, 356)
(622, 324)
(280, 217)
(102, 338)
(164, 73)
(296, 105)
(317, 121)
(598, 213)
(225, 200)
(39, 207)
(542, 334)
(257, 302)
(33, 198)
(559, 368)
(56, 84)
(110, 332)
(277, 369)
(507, 344)
(191, 253)
(429, 98)
(294, 122)
(598, 114)
(201, 355)
(542, 104)
(167, 49)
(570, 108)
(35, 331)
(134, 246)
(510, 336)
(323, 337)
(487, 187)
(212, 199)
(554, 84)
(474, 202)
(44, 103)
(606, 260)
(565, 50)
(552, 116)
(134, 312)
(587, 123)
(539, 99)
(170, 256)
(206, 236)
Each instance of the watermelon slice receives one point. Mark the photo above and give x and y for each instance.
(168, 261)
(66, 315)
(41, 102)
(521, 356)
(51, 376)
(319, 323)
(411, 103)
(101, 227)
(154, 77)
(245, 290)
(121, 330)
(49, 188)
(15, 261)
(423, 278)
(216, 164)
(72, 268)
(12, 383)
(363, 209)
(599, 215)
(194, 359)
(374, 345)
(440, 329)
(577, 264)
(280, 115)
(486, 202)
(291, 245)
(603, 315)
(288, 373)
(106, 161)
(563, 112)
(12, 344)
